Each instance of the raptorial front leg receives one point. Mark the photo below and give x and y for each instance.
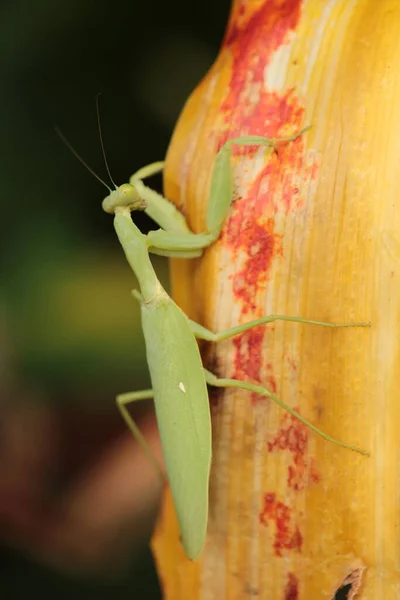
(122, 400)
(148, 170)
(258, 389)
(175, 239)
(159, 208)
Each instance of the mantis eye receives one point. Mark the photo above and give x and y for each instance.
(130, 197)
(127, 191)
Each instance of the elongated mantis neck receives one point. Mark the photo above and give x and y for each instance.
(136, 251)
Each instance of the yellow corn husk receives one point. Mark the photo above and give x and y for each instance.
(315, 232)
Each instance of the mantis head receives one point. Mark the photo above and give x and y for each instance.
(124, 196)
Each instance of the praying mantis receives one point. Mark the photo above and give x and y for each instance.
(179, 381)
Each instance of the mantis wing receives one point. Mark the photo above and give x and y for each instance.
(183, 414)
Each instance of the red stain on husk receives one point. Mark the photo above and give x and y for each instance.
(313, 472)
(258, 244)
(287, 535)
(292, 588)
(253, 37)
(250, 107)
(294, 437)
(248, 359)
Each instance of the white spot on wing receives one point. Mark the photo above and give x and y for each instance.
(182, 387)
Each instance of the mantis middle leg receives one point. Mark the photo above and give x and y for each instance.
(122, 400)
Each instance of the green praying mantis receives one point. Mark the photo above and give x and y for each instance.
(179, 381)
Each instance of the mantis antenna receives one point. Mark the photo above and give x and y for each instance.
(101, 141)
(74, 152)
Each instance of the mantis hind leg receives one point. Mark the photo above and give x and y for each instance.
(122, 400)
(201, 332)
(258, 389)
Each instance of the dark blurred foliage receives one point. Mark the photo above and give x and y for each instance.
(70, 335)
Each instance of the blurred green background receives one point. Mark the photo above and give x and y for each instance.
(70, 335)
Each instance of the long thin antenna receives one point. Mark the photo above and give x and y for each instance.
(74, 152)
(101, 141)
